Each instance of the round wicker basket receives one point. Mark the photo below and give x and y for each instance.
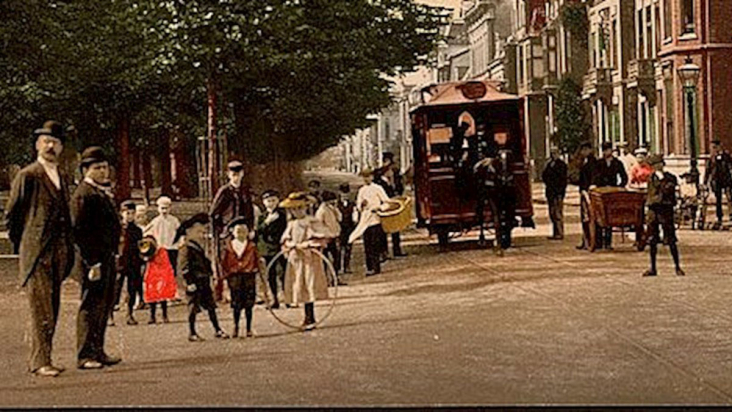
(399, 215)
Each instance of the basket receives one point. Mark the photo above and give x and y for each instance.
(396, 220)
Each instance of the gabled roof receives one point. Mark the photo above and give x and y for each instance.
(451, 94)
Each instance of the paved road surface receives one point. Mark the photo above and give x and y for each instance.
(545, 324)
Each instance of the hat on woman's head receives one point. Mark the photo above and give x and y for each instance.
(298, 199)
(148, 246)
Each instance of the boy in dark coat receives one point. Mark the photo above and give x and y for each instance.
(555, 182)
(270, 227)
(97, 231)
(661, 202)
(197, 271)
(129, 262)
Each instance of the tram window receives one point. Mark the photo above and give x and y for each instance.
(438, 144)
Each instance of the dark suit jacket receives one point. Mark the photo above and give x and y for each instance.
(608, 175)
(130, 261)
(37, 212)
(97, 228)
(661, 192)
(270, 235)
(555, 178)
(719, 170)
(587, 172)
(229, 203)
(193, 264)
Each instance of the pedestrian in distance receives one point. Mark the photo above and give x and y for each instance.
(330, 217)
(129, 263)
(164, 227)
(240, 265)
(609, 172)
(370, 199)
(661, 202)
(270, 227)
(718, 177)
(97, 231)
(197, 271)
(393, 183)
(554, 177)
(160, 284)
(587, 170)
(39, 226)
(642, 171)
(348, 223)
(305, 278)
(314, 188)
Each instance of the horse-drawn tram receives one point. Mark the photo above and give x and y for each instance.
(462, 133)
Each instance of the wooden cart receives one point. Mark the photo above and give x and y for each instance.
(616, 208)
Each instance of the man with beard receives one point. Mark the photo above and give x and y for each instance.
(39, 226)
(97, 232)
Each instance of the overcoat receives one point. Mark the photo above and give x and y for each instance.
(230, 203)
(38, 212)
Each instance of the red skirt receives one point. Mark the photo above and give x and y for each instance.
(160, 284)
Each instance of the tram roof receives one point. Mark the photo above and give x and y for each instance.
(453, 94)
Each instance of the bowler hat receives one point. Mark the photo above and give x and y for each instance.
(236, 222)
(328, 196)
(235, 166)
(344, 188)
(607, 146)
(51, 128)
(91, 155)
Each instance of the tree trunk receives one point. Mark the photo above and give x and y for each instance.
(185, 166)
(136, 168)
(213, 153)
(147, 176)
(123, 163)
(166, 180)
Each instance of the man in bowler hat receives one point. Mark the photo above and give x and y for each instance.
(39, 226)
(97, 232)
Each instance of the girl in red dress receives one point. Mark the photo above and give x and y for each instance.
(160, 285)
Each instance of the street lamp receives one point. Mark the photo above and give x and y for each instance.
(689, 74)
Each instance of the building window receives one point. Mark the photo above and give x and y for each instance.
(670, 114)
(657, 28)
(687, 16)
(667, 19)
(521, 66)
(615, 62)
(641, 43)
(649, 33)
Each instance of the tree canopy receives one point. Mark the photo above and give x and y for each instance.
(294, 75)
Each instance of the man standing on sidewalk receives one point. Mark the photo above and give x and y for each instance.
(97, 231)
(718, 177)
(555, 182)
(39, 223)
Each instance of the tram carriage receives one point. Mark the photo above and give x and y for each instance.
(446, 196)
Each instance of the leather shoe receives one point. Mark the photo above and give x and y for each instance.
(649, 273)
(47, 372)
(680, 272)
(90, 364)
(221, 335)
(195, 338)
(107, 360)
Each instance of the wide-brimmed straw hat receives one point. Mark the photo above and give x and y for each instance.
(298, 199)
(148, 246)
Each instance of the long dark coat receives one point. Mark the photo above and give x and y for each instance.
(554, 177)
(37, 213)
(719, 171)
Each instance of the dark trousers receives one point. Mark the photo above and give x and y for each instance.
(556, 214)
(344, 264)
(44, 297)
(487, 199)
(173, 257)
(134, 288)
(718, 195)
(277, 273)
(333, 253)
(372, 245)
(396, 243)
(97, 301)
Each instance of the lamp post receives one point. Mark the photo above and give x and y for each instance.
(689, 74)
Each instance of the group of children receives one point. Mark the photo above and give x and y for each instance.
(152, 258)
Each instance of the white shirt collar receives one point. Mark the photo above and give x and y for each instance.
(106, 189)
(239, 246)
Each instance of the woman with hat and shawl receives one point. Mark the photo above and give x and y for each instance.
(197, 271)
(240, 266)
(160, 284)
(305, 279)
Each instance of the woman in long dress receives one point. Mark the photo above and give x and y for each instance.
(305, 278)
